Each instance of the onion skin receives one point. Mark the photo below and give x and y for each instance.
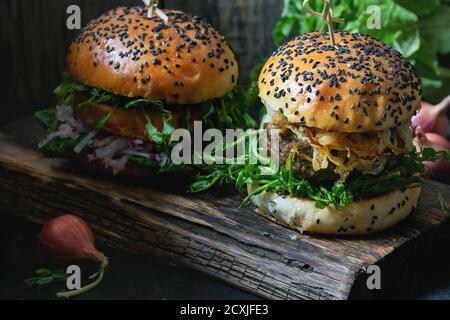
(69, 238)
(436, 141)
(433, 119)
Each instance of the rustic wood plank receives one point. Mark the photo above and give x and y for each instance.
(204, 232)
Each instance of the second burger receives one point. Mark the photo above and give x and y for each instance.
(131, 81)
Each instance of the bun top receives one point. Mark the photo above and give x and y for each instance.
(360, 85)
(183, 61)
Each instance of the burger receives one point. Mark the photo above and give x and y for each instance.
(342, 115)
(131, 81)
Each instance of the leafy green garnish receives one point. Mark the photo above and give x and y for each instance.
(229, 111)
(162, 138)
(97, 96)
(47, 118)
(144, 162)
(65, 91)
(184, 170)
(100, 123)
(337, 195)
(45, 277)
(418, 29)
(145, 103)
(60, 147)
(232, 110)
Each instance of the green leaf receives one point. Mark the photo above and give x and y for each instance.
(59, 147)
(45, 277)
(207, 110)
(167, 128)
(435, 27)
(232, 110)
(179, 170)
(66, 90)
(337, 195)
(100, 123)
(48, 119)
(185, 121)
(101, 96)
(153, 133)
(144, 162)
(420, 8)
(145, 103)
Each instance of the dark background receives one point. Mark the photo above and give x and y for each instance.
(33, 44)
(34, 41)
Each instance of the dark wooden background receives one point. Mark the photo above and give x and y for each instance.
(34, 40)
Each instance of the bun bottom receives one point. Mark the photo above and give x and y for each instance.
(359, 217)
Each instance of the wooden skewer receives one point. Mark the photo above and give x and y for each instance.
(326, 15)
(152, 6)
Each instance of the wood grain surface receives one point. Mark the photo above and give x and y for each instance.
(206, 233)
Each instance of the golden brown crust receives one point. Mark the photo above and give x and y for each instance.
(360, 86)
(183, 62)
(130, 123)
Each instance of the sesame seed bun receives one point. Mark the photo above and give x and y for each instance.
(359, 86)
(358, 218)
(184, 61)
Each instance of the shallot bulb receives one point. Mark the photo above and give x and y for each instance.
(68, 238)
(433, 118)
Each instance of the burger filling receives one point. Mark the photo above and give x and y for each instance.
(331, 168)
(72, 135)
(334, 155)
(117, 130)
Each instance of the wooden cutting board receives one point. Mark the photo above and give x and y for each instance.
(206, 233)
